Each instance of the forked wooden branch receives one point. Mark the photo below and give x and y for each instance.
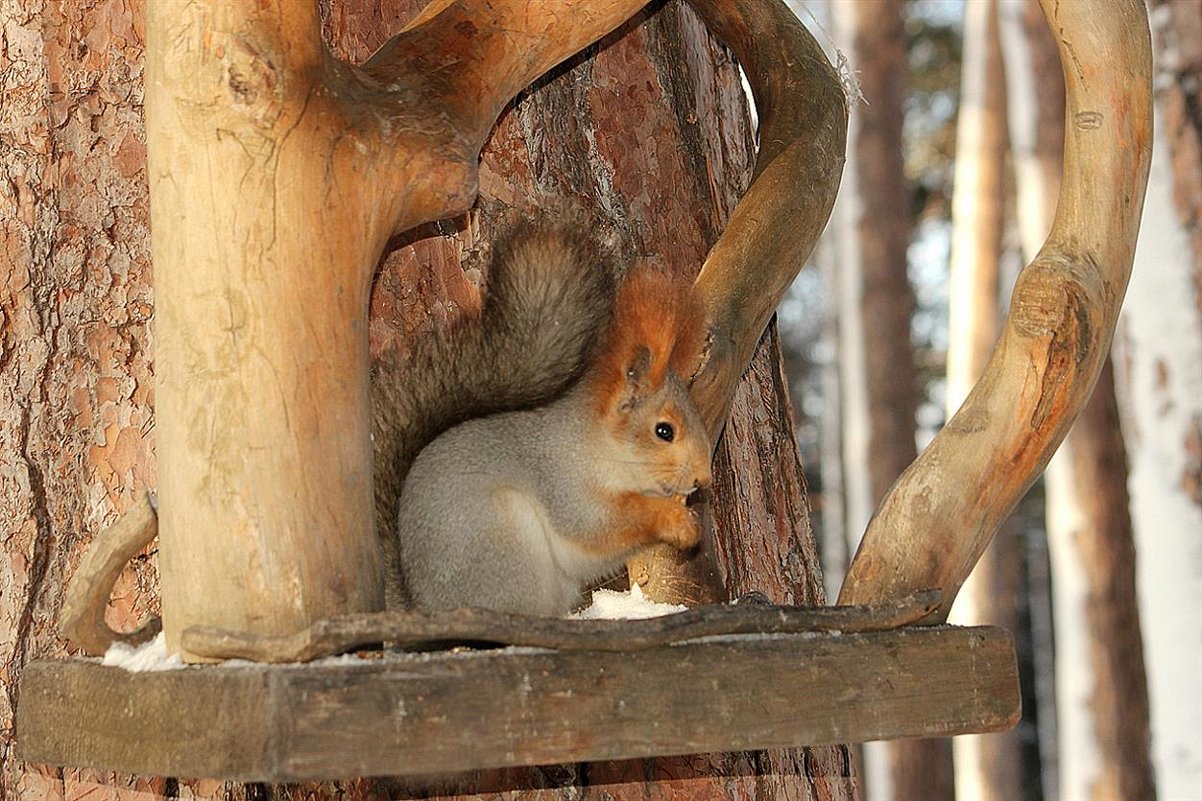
(412, 629)
(802, 113)
(937, 519)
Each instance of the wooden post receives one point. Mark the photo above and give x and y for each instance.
(277, 175)
(260, 282)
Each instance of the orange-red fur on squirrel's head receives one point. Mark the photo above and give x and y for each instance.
(660, 315)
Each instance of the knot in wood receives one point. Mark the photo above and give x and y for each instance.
(1063, 300)
(253, 83)
(1058, 297)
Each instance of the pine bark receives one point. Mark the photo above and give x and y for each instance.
(76, 361)
(650, 127)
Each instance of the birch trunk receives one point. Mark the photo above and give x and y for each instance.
(1160, 380)
(1101, 684)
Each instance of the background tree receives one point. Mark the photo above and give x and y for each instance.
(875, 356)
(1102, 695)
(1159, 350)
(988, 766)
(1035, 110)
(649, 126)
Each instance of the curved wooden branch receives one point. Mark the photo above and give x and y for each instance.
(802, 135)
(81, 619)
(416, 629)
(428, 98)
(935, 522)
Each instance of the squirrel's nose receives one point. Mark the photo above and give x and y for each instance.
(703, 479)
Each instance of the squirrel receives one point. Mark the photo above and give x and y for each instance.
(540, 445)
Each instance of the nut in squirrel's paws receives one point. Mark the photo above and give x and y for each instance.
(686, 532)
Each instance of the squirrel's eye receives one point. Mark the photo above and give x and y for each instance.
(665, 431)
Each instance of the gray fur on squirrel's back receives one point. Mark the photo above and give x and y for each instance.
(549, 298)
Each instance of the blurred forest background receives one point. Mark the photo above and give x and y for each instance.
(951, 184)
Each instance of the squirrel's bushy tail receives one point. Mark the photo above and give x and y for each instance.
(549, 300)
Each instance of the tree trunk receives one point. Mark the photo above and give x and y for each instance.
(1101, 685)
(649, 127)
(988, 766)
(1160, 388)
(877, 302)
(77, 423)
(877, 359)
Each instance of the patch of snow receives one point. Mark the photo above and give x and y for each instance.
(629, 605)
(149, 656)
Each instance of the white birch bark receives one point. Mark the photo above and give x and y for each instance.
(1161, 353)
(1079, 757)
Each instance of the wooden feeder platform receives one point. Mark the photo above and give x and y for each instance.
(462, 710)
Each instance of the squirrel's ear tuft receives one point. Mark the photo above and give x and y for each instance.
(691, 333)
(637, 375)
(658, 326)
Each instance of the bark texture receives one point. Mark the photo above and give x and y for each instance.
(76, 352)
(1105, 743)
(1177, 26)
(649, 127)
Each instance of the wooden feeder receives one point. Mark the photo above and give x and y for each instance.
(250, 101)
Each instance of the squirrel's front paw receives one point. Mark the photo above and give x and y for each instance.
(685, 531)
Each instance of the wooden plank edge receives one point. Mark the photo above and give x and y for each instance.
(440, 713)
